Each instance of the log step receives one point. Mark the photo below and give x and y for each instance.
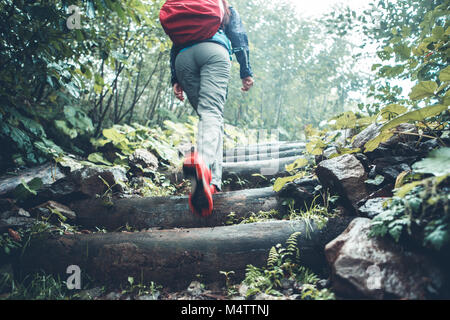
(173, 212)
(173, 258)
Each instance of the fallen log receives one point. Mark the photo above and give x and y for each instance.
(48, 173)
(173, 258)
(246, 170)
(172, 212)
(265, 156)
(251, 150)
(264, 167)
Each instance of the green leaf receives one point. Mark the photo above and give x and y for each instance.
(346, 121)
(62, 126)
(392, 111)
(437, 163)
(417, 115)
(379, 179)
(98, 158)
(438, 238)
(375, 143)
(26, 190)
(115, 136)
(423, 90)
(445, 74)
(281, 182)
(299, 163)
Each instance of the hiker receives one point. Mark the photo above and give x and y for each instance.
(205, 34)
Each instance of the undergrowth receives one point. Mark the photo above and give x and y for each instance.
(284, 263)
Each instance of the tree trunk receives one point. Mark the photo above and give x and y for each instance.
(265, 156)
(246, 169)
(173, 258)
(263, 149)
(172, 212)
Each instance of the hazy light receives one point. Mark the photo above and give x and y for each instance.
(315, 8)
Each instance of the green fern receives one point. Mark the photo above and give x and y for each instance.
(292, 246)
(273, 257)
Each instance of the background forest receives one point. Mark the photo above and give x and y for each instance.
(86, 84)
(63, 83)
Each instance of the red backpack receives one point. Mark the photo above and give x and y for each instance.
(187, 21)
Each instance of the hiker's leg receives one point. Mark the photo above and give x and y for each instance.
(188, 75)
(214, 62)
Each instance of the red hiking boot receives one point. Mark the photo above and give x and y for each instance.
(200, 199)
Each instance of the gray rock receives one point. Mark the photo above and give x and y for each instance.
(90, 294)
(323, 284)
(287, 283)
(344, 175)
(143, 162)
(15, 222)
(372, 207)
(264, 296)
(88, 182)
(195, 289)
(149, 297)
(243, 288)
(373, 268)
(113, 296)
(328, 152)
(23, 213)
(374, 129)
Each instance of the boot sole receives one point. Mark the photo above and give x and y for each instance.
(199, 198)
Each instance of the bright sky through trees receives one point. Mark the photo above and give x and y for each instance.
(316, 8)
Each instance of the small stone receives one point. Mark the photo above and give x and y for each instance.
(264, 296)
(23, 213)
(323, 284)
(372, 207)
(90, 294)
(149, 297)
(243, 288)
(288, 292)
(143, 162)
(195, 288)
(287, 283)
(113, 296)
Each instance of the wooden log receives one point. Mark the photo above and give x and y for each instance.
(246, 169)
(173, 258)
(250, 150)
(263, 167)
(172, 212)
(265, 156)
(48, 173)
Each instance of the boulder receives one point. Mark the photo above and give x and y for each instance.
(143, 162)
(373, 130)
(87, 182)
(390, 167)
(302, 190)
(374, 268)
(344, 175)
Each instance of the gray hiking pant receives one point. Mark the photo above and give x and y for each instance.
(204, 72)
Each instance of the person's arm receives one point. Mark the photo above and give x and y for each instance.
(235, 31)
(173, 55)
(177, 89)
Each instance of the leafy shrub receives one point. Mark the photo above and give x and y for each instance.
(420, 209)
(284, 263)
